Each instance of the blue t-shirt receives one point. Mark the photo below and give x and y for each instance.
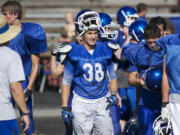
(31, 40)
(89, 71)
(141, 59)
(171, 48)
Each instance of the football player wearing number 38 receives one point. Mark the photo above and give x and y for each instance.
(87, 65)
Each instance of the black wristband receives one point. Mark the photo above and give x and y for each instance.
(65, 108)
(23, 113)
(164, 104)
(53, 54)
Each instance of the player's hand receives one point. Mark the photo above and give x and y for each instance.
(63, 51)
(165, 111)
(119, 101)
(141, 81)
(66, 115)
(25, 120)
(27, 94)
(112, 100)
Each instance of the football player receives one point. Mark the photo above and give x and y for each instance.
(87, 66)
(141, 59)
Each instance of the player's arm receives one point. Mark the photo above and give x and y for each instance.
(134, 80)
(34, 71)
(165, 85)
(67, 80)
(56, 69)
(113, 85)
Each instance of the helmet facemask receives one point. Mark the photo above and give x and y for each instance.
(108, 31)
(88, 21)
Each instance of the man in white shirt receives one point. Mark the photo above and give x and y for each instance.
(11, 76)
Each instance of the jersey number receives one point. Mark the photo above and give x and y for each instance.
(99, 74)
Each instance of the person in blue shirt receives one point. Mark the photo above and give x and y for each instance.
(170, 45)
(87, 66)
(142, 57)
(29, 43)
(160, 22)
(142, 11)
(136, 32)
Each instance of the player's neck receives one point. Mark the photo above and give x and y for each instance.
(88, 47)
(17, 22)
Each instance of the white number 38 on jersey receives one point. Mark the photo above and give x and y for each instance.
(99, 74)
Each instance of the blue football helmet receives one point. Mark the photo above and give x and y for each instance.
(85, 20)
(106, 30)
(136, 30)
(126, 15)
(162, 127)
(132, 126)
(153, 78)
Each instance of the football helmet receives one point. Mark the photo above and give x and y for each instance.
(132, 127)
(85, 20)
(107, 25)
(126, 15)
(161, 127)
(153, 78)
(136, 30)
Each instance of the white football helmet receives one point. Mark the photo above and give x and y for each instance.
(87, 20)
(162, 127)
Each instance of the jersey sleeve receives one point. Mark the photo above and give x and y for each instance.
(68, 73)
(15, 69)
(35, 37)
(111, 72)
(162, 43)
(132, 68)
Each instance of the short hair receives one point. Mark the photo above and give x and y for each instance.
(141, 7)
(170, 26)
(14, 7)
(158, 21)
(152, 31)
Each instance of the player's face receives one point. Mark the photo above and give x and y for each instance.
(151, 42)
(167, 32)
(161, 29)
(90, 37)
(10, 18)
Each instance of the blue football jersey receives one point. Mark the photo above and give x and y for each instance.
(141, 59)
(89, 71)
(171, 48)
(31, 40)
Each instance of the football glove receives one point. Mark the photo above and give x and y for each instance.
(27, 94)
(112, 100)
(165, 111)
(66, 115)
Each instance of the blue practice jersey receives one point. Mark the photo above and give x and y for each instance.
(141, 59)
(89, 71)
(31, 40)
(171, 48)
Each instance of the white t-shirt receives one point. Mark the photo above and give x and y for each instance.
(11, 70)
